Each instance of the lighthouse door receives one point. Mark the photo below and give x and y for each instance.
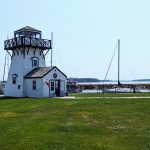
(57, 87)
(52, 88)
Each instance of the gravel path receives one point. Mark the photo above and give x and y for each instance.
(73, 97)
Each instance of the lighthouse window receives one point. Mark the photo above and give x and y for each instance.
(19, 87)
(35, 62)
(14, 80)
(34, 85)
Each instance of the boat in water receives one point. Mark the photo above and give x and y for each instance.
(72, 86)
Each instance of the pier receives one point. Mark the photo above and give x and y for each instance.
(133, 87)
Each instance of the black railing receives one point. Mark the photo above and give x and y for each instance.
(27, 42)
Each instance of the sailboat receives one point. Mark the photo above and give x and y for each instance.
(118, 80)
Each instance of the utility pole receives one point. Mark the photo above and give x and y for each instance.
(4, 68)
(52, 49)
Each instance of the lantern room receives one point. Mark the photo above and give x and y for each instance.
(27, 37)
(28, 32)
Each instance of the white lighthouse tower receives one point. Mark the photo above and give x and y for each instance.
(28, 75)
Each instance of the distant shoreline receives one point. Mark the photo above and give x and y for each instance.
(94, 80)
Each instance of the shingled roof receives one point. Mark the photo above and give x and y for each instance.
(28, 28)
(41, 72)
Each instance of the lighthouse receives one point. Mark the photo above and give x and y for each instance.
(28, 75)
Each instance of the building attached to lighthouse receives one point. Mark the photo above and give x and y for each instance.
(28, 75)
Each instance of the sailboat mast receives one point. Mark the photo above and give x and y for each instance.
(119, 62)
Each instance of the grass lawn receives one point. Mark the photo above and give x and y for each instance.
(74, 124)
(110, 94)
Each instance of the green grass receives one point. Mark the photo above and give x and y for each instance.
(77, 124)
(110, 94)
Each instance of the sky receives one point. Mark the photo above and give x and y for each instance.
(85, 34)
